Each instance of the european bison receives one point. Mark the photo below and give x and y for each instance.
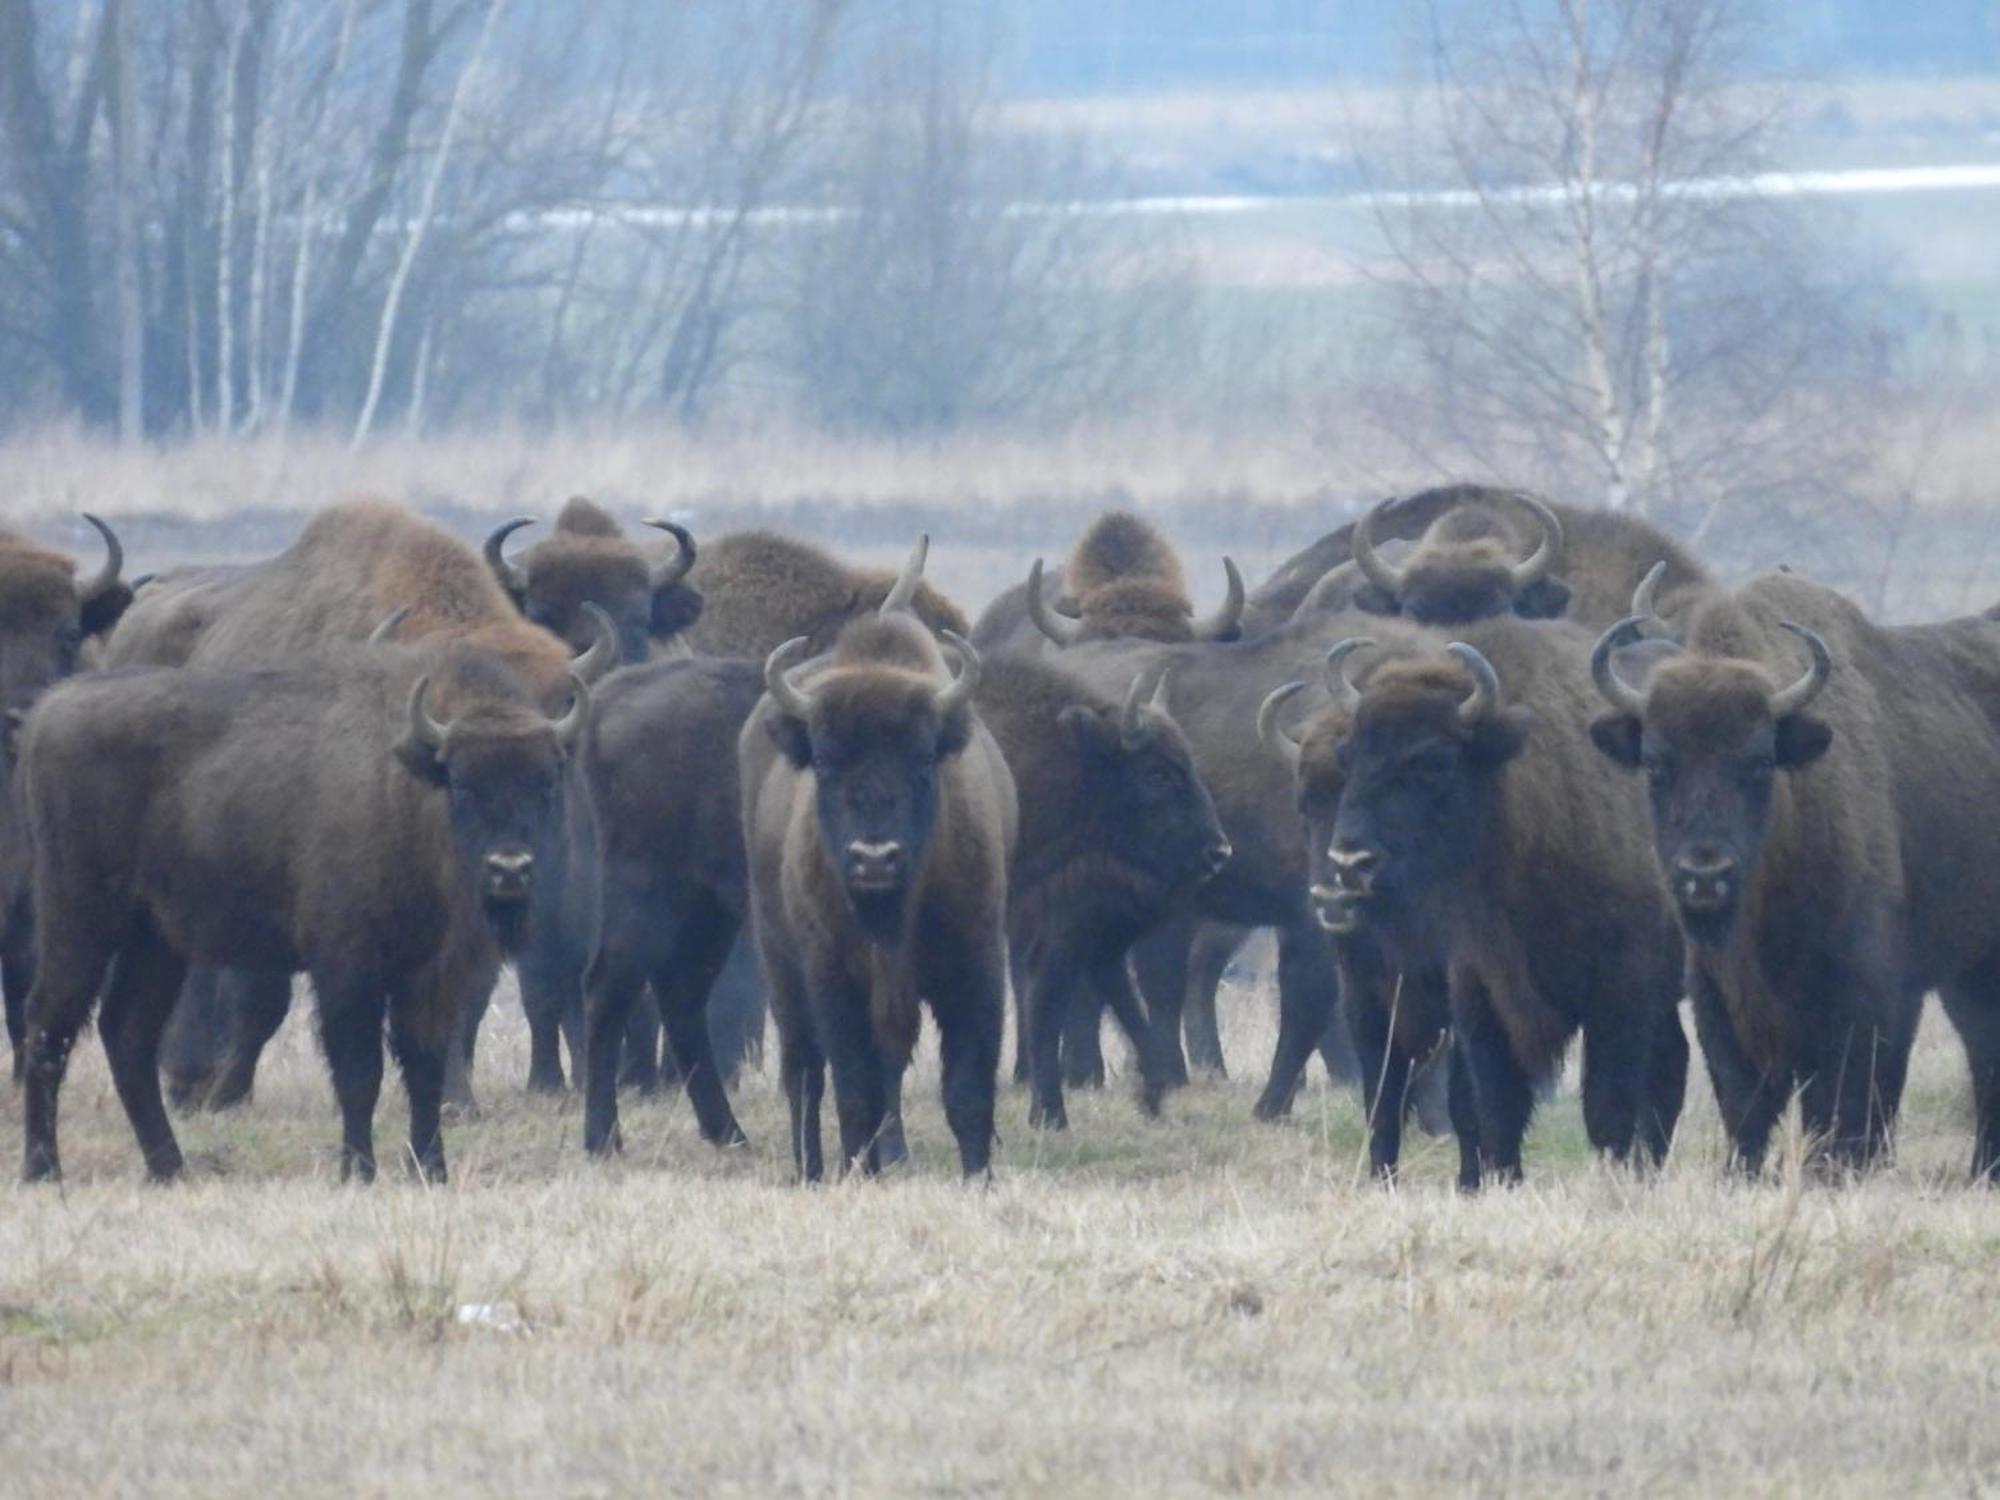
(879, 818)
(1459, 816)
(1825, 807)
(587, 560)
(378, 816)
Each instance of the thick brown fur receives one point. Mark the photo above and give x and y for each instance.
(588, 559)
(839, 994)
(1119, 547)
(1878, 876)
(171, 614)
(760, 589)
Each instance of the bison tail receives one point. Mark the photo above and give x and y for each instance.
(892, 1006)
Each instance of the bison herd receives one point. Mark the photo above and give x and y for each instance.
(1497, 773)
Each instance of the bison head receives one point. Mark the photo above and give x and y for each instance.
(1464, 568)
(1137, 608)
(1711, 734)
(874, 738)
(47, 613)
(1140, 785)
(504, 768)
(556, 578)
(1396, 786)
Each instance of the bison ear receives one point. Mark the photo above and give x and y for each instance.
(794, 741)
(421, 761)
(1801, 739)
(1094, 736)
(1373, 599)
(676, 609)
(101, 613)
(1544, 599)
(1502, 736)
(1617, 737)
(955, 732)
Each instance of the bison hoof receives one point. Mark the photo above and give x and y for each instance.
(1269, 1109)
(1048, 1119)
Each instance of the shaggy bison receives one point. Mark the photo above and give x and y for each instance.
(587, 560)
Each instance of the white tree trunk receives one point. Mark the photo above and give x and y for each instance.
(125, 193)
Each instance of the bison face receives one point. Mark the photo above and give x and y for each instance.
(626, 602)
(875, 741)
(46, 614)
(1416, 776)
(504, 771)
(559, 579)
(1141, 787)
(1710, 736)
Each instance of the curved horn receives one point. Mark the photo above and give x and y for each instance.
(570, 726)
(959, 692)
(1158, 702)
(602, 653)
(1128, 719)
(1383, 574)
(386, 631)
(905, 589)
(1614, 689)
(1485, 683)
(424, 730)
(1062, 632)
(783, 693)
(496, 555)
(1648, 591)
(1331, 582)
(1228, 619)
(1543, 558)
(1270, 731)
(671, 572)
(114, 560)
(1790, 700)
(1338, 683)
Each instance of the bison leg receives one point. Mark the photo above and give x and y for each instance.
(1045, 1008)
(1161, 960)
(546, 1008)
(17, 977)
(1666, 1084)
(681, 984)
(1082, 1039)
(642, 1067)
(801, 1068)
(1616, 1050)
(860, 1090)
(1385, 1066)
(136, 1005)
(197, 1039)
(1501, 1089)
(611, 990)
(421, 1060)
(736, 1010)
(1307, 986)
(1208, 958)
(460, 1054)
(1851, 1097)
(350, 1029)
(1749, 1099)
(1974, 1009)
(254, 1003)
(66, 984)
(1113, 980)
(1023, 961)
(969, 1045)
(1464, 1116)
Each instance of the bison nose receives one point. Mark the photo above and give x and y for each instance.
(1353, 869)
(873, 866)
(1705, 878)
(509, 874)
(1218, 856)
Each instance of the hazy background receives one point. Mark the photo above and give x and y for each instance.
(984, 266)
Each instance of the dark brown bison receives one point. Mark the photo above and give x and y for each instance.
(1459, 817)
(760, 589)
(1825, 809)
(47, 619)
(380, 817)
(172, 611)
(879, 818)
(1604, 555)
(588, 560)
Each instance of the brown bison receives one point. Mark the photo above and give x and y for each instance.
(1459, 817)
(380, 817)
(1604, 554)
(760, 589)
(879, 817)
(1825, 809)
(587, 560)
(172, 611)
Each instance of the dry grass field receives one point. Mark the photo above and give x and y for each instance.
(1189, 1306)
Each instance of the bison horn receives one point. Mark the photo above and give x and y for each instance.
(424, 730)
(1062, 632)
(1331, 583)
(1128, 723)
(1158, 702)
(780, 686)
(1485, 683)
(496, 555)
(1648, 591)
(904, 592)
(114, 560)
(1544, 556)
(1614, 689)
(671, 572)
(959, 692)
(385, 632)
(1384, 575)
(602, 654)
(1224, 624)
(1338, 683)
(570, 725)
(1270, 731)
(1790, 700)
